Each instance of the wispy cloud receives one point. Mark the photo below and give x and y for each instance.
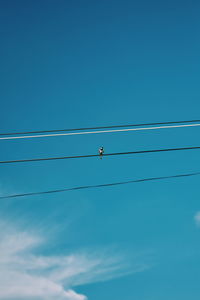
(197, 218)
(25, 273)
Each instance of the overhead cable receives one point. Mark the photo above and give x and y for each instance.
(99, 127)
(97, 132)
(97, 155)
(99, 185)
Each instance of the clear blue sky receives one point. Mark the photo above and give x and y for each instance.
(68, 64)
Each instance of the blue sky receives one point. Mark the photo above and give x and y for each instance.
(68, 64)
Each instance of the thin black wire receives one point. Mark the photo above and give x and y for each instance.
(100, 185)
(98, 127)
(97, 155)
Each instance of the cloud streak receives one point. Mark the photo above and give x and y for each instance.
(197, 218)
(25, 273)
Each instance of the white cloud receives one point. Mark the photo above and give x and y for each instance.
(197, 218)
(25, 274)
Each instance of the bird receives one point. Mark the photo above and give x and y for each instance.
(101, 152)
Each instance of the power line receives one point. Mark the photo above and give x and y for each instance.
(99, 127)
(97, 132)
(97, 155)
(100, 185)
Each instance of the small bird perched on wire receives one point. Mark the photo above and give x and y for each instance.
(101, 152)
